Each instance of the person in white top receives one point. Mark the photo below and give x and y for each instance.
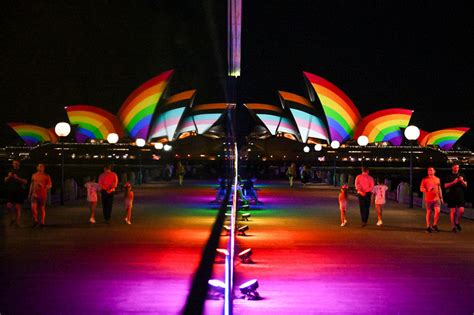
(93, 190)
(378, 198)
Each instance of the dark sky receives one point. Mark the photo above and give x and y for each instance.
(410, 54)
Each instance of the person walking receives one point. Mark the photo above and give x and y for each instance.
(364, 184)
(379, 199)
(342, 198)
(15, 184)
(108, 181)
(40, 184)
(431, 187)
(180, 171)
(291, 173)
(93, 190)
(128, 196)
(455, 185)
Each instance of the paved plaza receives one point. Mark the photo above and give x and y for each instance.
(304, 261)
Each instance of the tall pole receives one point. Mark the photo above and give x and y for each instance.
(62, 173)
(411, 175)
(334, 176)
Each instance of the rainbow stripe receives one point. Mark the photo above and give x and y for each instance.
(385, 125)
(341, 114)
(446, 138)
(31, 134)
(201, 118)
(167, 120)
(309, 125)
(138, 109)
(304, 115)
(423, 138)
(269, 115)
(93, 122)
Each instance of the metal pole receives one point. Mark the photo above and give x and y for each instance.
(62, 173)
(334, 177)
(411, 176)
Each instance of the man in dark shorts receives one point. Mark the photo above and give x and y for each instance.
(15, 183)
(455, 186)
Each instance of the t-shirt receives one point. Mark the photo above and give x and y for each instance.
(455, 193)
(92, 190)
(13, 184)
(432, 188)
(40, 184)
(379, 193)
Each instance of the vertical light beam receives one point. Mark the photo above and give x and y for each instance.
(234, 25)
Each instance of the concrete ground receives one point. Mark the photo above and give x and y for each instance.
(304, 261)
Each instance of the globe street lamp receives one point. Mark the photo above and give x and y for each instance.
(112, 138)
(62, 130)
(140, 144)
(306, 149)
(362, 141)
(318, 147)
(411, 133)
(335, 145)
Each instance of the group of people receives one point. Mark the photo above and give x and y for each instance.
(105, 190)
(17, 189)
(16, 183)
(368, 193)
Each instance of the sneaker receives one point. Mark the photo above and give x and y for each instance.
(128, 222)
(344, 223)
(92, 220)
(379, 223)
(454, 230)
(458, 226)
(429, 229)
(435, 228)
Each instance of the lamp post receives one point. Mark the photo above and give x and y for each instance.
(62, 130)
(335, 145)
(140, 144)
(362, 141)
(411, 133)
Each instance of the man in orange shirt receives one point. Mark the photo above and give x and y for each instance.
(364, 184)
(40, 183)
(108, 181)
(431, 187)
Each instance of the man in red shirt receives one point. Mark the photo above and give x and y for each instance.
(431, 187)
(108, 181)
(40, 183)
(364, 184)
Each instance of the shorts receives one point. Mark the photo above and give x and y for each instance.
(16, 196)
(40, 201)
(430, 205)
(456, 204)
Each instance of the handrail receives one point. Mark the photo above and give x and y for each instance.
(229, 261)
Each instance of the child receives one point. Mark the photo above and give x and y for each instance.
(343, 197)
(93, 190)
(379, 197)
(40, 183)
(128, 200)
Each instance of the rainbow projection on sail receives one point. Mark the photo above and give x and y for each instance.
(341, 114)
(384, 125)
(269, 115)
(93, 122)
(444, 138)
(32, 134)
(137, 111)
(304, 115)
(169, 115)
(201, 118)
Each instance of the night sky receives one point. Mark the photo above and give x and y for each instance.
(382, 54)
